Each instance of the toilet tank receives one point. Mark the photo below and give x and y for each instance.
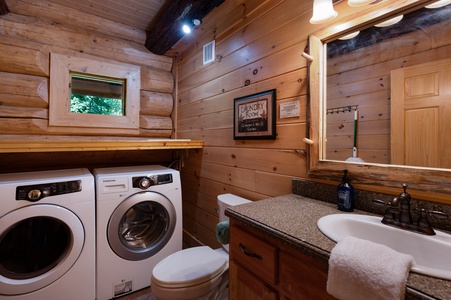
(227, 200)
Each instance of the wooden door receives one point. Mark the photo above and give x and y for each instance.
(421, 115)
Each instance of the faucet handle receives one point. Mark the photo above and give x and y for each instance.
(392, 206)
(381, 202)
(436, 213)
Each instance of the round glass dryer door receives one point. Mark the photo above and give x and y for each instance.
(38, 244)
(141, 225)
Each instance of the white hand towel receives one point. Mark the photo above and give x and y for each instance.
(360, 269)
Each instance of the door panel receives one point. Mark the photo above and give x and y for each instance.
(421, 115)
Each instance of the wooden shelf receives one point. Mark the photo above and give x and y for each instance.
(17, 143)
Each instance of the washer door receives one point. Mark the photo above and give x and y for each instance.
(141, 225)
(38, 244)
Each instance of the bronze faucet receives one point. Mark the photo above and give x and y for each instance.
(398, 214)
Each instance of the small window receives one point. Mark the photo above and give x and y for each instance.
(94, 94)
(91, 94)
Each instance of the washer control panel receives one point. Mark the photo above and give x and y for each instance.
(144, 182)
(38, 191)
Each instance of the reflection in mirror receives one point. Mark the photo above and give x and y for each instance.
(91, 94)
(389, 92)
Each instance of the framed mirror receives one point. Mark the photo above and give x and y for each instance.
(379, 99)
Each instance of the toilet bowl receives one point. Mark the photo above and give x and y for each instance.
(198, 272)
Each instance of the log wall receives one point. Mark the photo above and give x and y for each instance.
(34, 29)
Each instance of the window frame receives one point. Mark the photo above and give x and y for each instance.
(61, 67)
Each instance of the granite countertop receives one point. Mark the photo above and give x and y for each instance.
(292, 220)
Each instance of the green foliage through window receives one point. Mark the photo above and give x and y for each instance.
(86, 104)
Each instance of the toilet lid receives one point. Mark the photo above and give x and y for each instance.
(189, 267)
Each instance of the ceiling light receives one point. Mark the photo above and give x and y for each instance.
(186, 28)
(390, 22)
(323, 11)
(359, 2)
(438, 4)
(349, 36)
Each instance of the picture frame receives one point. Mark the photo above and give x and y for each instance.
(254, 116)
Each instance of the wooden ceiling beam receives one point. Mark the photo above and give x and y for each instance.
(3, 8)
(165, 31)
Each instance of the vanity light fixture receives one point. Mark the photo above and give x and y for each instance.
(355, 3)
(323, 11)
(390, 22)
(349, 36)
(438, 4)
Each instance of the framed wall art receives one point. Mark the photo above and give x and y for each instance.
(254, 116)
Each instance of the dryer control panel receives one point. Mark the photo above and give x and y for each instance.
(36, 192)
(144, 182)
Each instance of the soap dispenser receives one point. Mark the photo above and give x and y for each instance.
(345, 194)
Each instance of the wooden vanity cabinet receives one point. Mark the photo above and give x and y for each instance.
(264, 268)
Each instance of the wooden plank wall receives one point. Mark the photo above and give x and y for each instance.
(362, 77)
(258, 47)
(34, 29)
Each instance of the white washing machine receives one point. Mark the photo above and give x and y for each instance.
(47, 235)
(139, 222)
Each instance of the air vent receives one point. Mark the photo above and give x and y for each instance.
(209, 52)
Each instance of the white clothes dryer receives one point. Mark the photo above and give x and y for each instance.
(47, 235)
(139, 222)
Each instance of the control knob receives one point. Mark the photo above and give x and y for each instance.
(144, 183)
(34, 194)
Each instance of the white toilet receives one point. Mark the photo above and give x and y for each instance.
(198, 272)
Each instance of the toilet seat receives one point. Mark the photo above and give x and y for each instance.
(189, 267)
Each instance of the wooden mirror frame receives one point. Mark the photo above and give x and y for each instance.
(424, 183)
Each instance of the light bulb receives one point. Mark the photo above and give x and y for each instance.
(186, 28)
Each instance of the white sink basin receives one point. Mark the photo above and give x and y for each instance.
(432, 254)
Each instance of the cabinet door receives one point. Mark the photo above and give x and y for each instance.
(254, 253)
(245, 285)
(302, 277)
